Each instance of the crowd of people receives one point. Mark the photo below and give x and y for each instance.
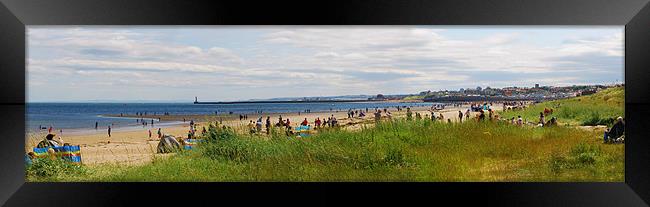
(265, 126)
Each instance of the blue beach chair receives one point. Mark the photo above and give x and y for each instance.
(191, 143)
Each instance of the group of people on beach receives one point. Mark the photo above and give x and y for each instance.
(255, 127)
(145, 123)
(514, 105)
(329, 122)
(49, 129)
(480, 107)
(159, 133)
(357, 113)
(484, 112)
(264, 125)
(148, 113)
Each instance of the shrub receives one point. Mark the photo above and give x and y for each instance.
(581, 155)
(596, 119)
(216, 134)
(394, 157)
(585, 154)
(557, 162)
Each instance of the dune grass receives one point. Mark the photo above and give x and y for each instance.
(397, 150)
(392, 151)
(601, 108)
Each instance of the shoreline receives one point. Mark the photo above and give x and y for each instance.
(132, 145)
(177, 119)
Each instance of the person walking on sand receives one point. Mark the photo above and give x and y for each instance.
(268, 124)
(317, 122)
(490, 114)
(433, 115)
(109, 131)
(280, 122)
(377, 116)
(96, 124)
(159, 133)
(258, 125)
(409, 114)
(251, 127)
(460, 116)
(149, 133)
(467, 114)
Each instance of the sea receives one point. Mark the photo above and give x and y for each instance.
(79, 116)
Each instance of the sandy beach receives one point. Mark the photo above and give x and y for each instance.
(132, 146)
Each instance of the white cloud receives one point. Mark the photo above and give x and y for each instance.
(289, 60)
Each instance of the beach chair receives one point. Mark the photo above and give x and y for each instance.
(302, 128)
(191, 143)
(303, 131)
(68, 153)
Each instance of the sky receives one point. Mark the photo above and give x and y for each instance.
(229, 63)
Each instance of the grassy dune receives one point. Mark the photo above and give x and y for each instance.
(392, 151)
(396, 150)
(601, 108)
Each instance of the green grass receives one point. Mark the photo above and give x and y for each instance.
(392, 151)
(417, 97)
(600, 108)
(53, 169)
(396, 150)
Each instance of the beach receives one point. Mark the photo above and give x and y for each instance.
(132, 145)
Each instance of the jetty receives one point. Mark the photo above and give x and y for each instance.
(286, 101)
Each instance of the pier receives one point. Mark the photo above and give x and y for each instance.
(288, 101)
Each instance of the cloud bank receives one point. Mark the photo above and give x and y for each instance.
(237, 63)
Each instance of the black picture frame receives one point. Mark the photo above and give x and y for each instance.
(15, 15)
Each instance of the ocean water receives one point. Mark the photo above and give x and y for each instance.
(84, 115)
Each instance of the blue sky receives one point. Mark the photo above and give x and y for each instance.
(226, 63)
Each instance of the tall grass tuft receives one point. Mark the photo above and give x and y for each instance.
(52, 170)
